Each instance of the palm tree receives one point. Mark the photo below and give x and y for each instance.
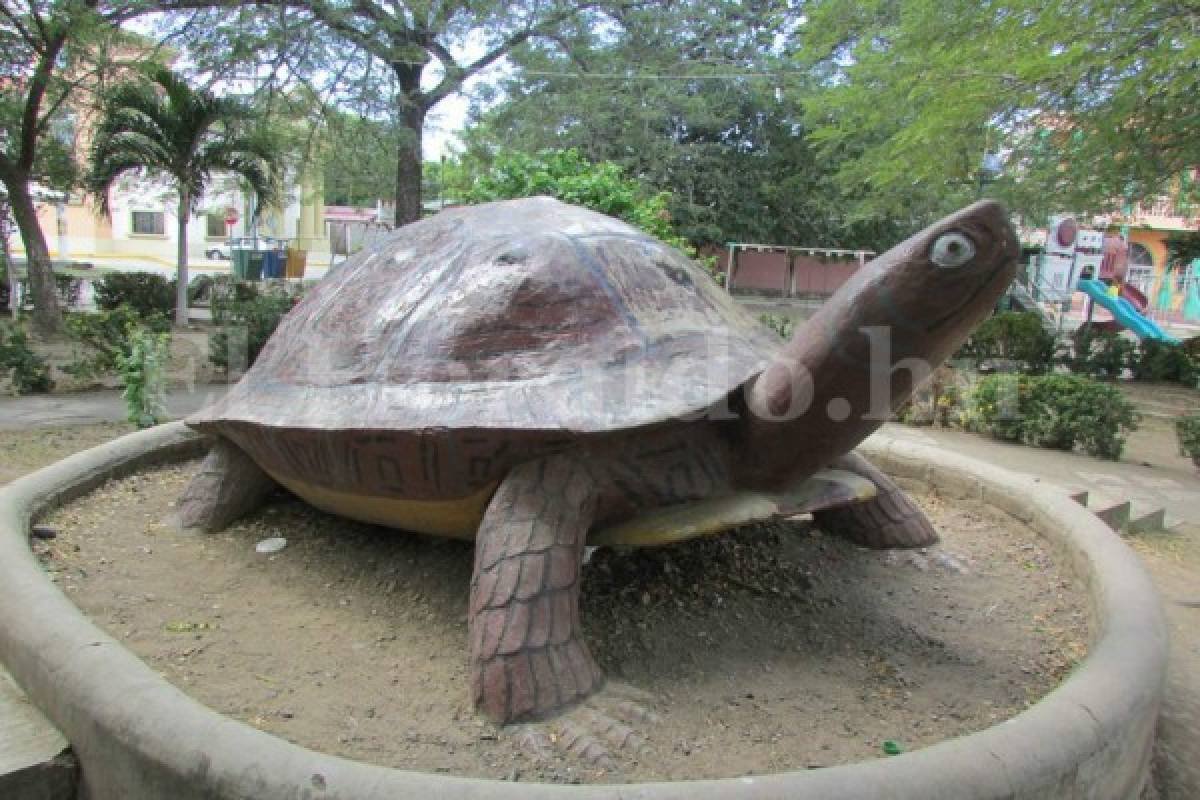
(161, 125)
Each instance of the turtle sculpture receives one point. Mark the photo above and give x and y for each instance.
(539, 377)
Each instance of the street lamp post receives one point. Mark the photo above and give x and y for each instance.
(989, 170)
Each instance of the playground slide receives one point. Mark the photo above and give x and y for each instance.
(1134, 295)
(1124, 312)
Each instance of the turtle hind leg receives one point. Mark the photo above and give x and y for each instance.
(889, 520)
(227, 485)
(528, 659)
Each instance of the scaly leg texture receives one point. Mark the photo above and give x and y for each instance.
(527, 655)
(228, 485)
(889, 520)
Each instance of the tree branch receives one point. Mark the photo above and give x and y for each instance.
(457, 75)
(33, 101)
(22, 31)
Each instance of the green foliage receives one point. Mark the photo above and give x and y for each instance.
(783, 326)
(938, 402)
(1163, 363)
(1013, 335)
(143, 373)
(27, 371)
(1099, 353)
(725, 134)
(68, 289)
(568, 176)
(146, 293)
(359, 159)
(52, 53)
(1054, 411)
(386, 60)
(105, 337)
(1183, 247)
(161, 125)
(915, 93)
(1187, 431)
(246, 318)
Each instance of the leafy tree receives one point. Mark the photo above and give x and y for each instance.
(566, 175)
(50, 50)
(385, 52)
(712, 113)
(358, 156)
(163, 126)
(1088, 103)
(1183, 248)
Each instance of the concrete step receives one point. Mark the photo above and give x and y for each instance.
(36, 762)
(1121, 515)
(1153, 522)
(1115, 516)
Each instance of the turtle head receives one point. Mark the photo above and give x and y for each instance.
(943, 280)
(875, 340)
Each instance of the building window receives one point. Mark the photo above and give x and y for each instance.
(149, 223)
(1140, 256)
(1141, 267)
(215, 227)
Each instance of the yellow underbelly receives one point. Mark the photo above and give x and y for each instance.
(458, 518)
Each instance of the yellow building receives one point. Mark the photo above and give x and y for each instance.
(1148, 227)
(142, 229)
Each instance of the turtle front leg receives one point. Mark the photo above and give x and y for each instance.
(528, 659)
(889, 520)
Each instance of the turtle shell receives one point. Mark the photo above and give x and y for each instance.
(524, 315)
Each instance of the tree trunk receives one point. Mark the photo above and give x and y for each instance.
(181, 264)
(409, 163)
(47, 317)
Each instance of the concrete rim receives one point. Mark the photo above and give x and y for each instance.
(136, 735)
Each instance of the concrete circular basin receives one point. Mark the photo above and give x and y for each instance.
(137, 736)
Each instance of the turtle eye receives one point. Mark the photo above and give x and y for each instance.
(952, 250)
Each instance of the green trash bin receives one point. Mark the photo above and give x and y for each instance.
(240, 259)
(254, 264)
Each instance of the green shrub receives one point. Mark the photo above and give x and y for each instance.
(783, 326)
(200, 289)
(105, 335)
(246, 319)
(1014, 336)
(68, 288)
(1055, 411)
(1187, 431)
(938, 401)
(569, 176)
(147, 293)
(1163, 363)
(1099, 353)
(27, 371)
(143, 373)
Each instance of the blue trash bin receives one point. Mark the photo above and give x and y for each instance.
(272, 264)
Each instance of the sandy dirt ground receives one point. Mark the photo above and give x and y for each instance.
(769, 649)
(27, 449)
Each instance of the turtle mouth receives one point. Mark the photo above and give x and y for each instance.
(998, 275)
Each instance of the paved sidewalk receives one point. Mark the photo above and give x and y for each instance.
(1149, 478)
(84, 408)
